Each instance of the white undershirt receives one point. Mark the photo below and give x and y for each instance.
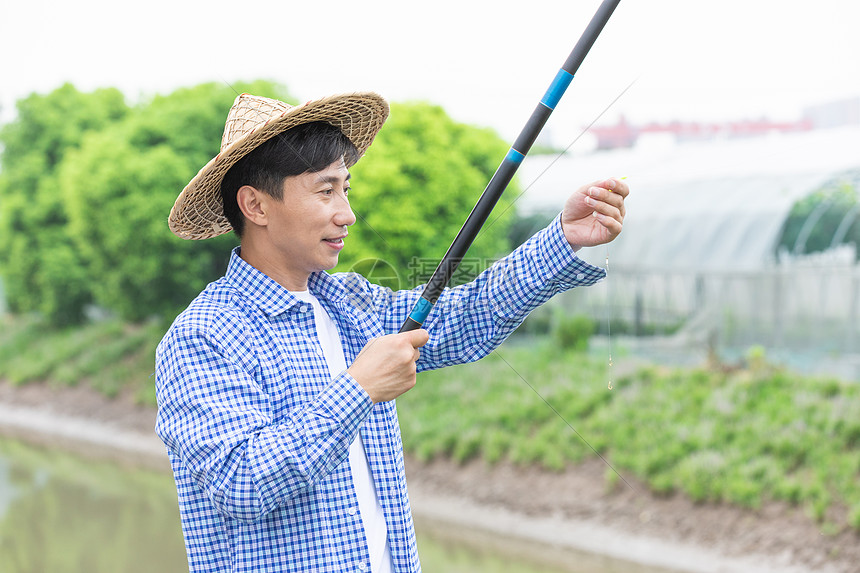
(372, 516)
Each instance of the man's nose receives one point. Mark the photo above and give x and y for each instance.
(344, 215)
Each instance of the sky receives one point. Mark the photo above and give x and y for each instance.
(486, 63)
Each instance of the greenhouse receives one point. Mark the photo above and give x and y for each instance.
(729, 243)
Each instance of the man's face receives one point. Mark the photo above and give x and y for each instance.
(307, 228)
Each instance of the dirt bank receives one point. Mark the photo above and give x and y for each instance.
(569, 513)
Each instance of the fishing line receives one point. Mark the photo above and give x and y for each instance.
(608, 321)
(609, 314)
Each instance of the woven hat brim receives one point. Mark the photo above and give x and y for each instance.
(198, 212)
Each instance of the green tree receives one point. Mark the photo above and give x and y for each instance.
(85, 200)
(416, 186)
(119, 188)
(41, 269)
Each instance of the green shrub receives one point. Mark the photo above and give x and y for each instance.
(572, 332)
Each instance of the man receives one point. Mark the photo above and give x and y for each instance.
(276, 386)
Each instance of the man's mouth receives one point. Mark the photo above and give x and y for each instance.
(335, 241)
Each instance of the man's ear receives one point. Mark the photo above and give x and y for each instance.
(252, 203)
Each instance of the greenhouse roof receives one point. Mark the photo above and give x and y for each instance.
(716, 205)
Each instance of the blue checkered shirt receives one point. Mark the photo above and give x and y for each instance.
(258, 432)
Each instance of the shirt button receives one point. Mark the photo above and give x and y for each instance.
(362, 566)
(352, 511)
(580, 276)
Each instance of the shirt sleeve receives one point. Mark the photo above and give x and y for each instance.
(217, 420)
(469, 321)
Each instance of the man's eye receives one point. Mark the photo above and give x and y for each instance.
(346, 190)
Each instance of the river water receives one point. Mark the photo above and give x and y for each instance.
(60, 512)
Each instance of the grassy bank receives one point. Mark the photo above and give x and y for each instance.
(743, 437)
(110, 356)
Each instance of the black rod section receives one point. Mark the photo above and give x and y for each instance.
(503, 175)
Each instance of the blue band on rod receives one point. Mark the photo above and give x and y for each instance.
(514, 156)
(421, 310)
(557, 88)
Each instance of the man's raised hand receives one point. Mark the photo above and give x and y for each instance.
(594, 213)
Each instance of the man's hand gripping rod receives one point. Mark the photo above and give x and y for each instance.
(507, 169)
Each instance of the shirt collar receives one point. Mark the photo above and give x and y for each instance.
(267, 294)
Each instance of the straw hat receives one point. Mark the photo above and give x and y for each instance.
(199, 212)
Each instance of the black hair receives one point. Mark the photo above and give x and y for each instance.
(306, 148)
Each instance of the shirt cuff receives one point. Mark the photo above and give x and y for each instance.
(344, 399)
(560, 263)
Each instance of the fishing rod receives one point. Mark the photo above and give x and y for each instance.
(507, 169)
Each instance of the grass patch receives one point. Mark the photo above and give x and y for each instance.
(108, 355)
(744, 437)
